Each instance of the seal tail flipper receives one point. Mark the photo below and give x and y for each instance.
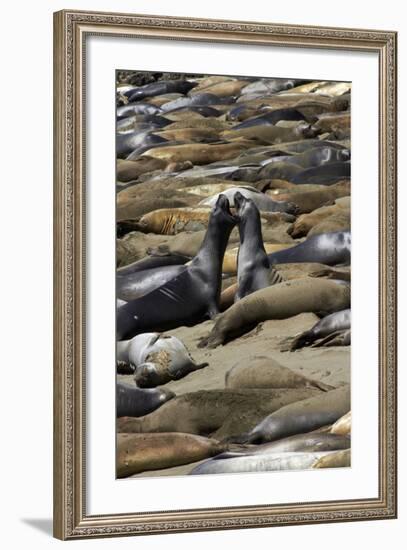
(322, 386)
(301, 340)
(200, 366)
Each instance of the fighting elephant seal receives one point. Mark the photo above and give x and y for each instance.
(266, 372)
(189, 297)
(253, 268)
(302, 416)
(328, 326)
(134, 401)
(222, 413)
(157, 358)
(136, 453)
(280, 301)
(262, 201)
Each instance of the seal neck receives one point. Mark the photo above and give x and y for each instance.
(250, 230)
(210, 255)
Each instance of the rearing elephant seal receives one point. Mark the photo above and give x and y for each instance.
(192, 295)
(157, 358)
(253, 269)
(277, 302)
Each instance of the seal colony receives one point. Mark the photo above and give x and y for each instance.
(233, 320)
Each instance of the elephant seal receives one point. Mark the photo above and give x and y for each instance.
(308, 442)
(304, 223)
(129, 170)
(343, 425)
(280, 301)
(326, 174)
(137, 284)
(253, 268)
(328, 326)
(266, 372)
(197, 153)
(308, 201)
(189, 297)
(302, 416)
(326, 248)
(340, 221)
(170, 221)
(221, 413)
(160, 88)
(262, 201)
(136, 453)
(157, 358)
(134, 401)
(340, 459)
(259, 463)
(151, 262)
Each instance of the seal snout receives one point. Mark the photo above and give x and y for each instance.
(223, 204)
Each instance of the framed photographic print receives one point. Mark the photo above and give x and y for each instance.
(214, 183)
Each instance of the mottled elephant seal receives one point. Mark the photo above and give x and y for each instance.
(197, 153)
(134, 401)
(191, 296)
(157, 358)
(328, 326)
(138, 453)
(222, 413)
(266, 372)
(302, 416)
(253, 268)
(280, 301)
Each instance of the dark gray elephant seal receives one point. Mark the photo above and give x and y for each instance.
(191, 296)
(253, 268)
(326, 327)
(137, 284)
(326, 248)
(157, 359)
(280, 301)
(134, 401)
(303, 416)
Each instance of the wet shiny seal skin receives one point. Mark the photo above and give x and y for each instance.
(253, 268)
(189, 297)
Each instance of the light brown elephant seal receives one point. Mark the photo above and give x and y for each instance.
(266, 372)
(221, 413)
(340, 221)
(280, 301)
(136, 453)
(302, 416)
(128, 170)
(304, 223)
(197, 153)
(170, 221)
(308, 201)
(340, 459)
(343, 425)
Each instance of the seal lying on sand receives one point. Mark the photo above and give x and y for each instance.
(277, 302)
(141, 452)
(222, 413)
(253, 268)
(191, 296)
(260, 463)
(157, 358)
(343, 425)
(326, 248)
(134, 401)
(266, 372)
(328, 326)
(302, 416)
(340, 459)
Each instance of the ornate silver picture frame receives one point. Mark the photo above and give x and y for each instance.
(71, 29)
